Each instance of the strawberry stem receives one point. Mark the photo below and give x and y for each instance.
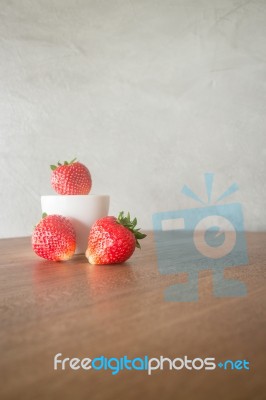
(131, 225)
(53, 167)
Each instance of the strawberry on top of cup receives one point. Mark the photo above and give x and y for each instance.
(71, 178)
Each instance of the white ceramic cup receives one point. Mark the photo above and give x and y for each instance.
(82, 210)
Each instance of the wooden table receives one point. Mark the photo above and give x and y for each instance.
(81, 310)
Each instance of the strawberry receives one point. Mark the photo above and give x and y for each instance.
(54, 238)
(113, 240)
(71, 178)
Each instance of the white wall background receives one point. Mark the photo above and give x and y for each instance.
(149, 94)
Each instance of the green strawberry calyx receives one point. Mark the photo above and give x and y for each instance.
(131, 225)
(53, 167)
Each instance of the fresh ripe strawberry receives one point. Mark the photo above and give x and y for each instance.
(113, 240)
(71, 178)
(54, 238)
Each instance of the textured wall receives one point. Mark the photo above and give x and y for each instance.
(150, 94)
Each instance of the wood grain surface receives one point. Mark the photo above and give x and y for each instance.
(81, 310)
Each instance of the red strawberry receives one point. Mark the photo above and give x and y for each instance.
(113, 240)
(54, 238)
(71, 178)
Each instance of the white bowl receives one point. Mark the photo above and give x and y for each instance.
(82, 210)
